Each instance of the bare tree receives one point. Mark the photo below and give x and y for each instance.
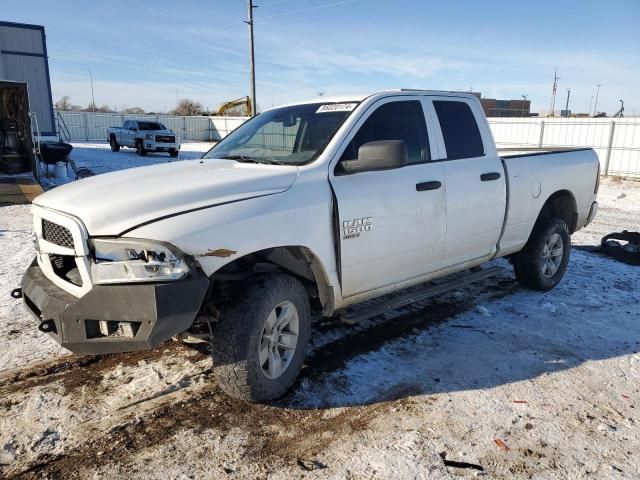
(102, 109)
(64, 104)
(133, 111)
(187, 107)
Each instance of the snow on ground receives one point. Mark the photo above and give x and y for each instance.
(619, 209)
(524, 384)
(99, 158)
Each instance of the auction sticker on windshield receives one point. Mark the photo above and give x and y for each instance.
(336, 107)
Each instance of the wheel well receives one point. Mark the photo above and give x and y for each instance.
(295, 260)
(562, 205)
(112, 136)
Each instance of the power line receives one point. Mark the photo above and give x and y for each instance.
(275, 2)
(222, 26)
(317, 7)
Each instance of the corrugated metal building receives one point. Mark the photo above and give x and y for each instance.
(23, 58)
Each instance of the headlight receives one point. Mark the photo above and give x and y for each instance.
(121, 260)
(149, 136)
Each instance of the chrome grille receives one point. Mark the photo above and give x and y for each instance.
(57, 234)
(165, 139)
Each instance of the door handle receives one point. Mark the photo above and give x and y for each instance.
(485, 177)
(421, 187)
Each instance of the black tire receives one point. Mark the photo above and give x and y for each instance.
(140, 149)
(115, 146)
(238, 336)
(173, 153)
(531, 266)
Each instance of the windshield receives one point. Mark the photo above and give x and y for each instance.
(150, 126)
(292, 135)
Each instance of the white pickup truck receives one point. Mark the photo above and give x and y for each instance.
(299, 213)
(144, 136)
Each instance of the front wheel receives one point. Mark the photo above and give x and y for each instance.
(260, 338)
(113, 143)
(173, 153)
(541, 264)
(140, 149)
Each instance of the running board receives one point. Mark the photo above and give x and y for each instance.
(404, 300)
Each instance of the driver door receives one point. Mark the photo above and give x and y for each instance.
(392, 222)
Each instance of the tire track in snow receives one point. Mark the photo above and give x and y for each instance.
(152, 420)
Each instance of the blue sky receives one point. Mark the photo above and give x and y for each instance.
(147, 53)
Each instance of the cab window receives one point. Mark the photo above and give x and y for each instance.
(460, 131)
(403, 120)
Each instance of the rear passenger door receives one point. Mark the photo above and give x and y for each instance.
(476, 188)
(391, 221)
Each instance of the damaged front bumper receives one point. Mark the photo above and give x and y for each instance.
(114, 318)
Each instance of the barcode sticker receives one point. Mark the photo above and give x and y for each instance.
(336, 107)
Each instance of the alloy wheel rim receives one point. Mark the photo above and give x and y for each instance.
(279, 340)
(552, 253)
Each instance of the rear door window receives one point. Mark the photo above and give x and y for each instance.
(126, 125)
(462, 137)
(403, 120)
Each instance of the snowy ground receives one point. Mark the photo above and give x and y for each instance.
(99, 158)
(523, 384)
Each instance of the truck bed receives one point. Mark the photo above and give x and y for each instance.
(514, 152)
(533, 174)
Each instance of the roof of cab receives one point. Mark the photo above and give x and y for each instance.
(381, 93)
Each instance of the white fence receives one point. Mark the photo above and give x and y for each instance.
(616, 140)
(89, 126)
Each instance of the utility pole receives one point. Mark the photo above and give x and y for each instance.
(93, 100)
(524, 103)
(590, 103)
(553, 92)
(252, 67)
(595, 108)
(566, 108)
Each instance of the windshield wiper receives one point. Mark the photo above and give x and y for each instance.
(239, 158)
(245, 159)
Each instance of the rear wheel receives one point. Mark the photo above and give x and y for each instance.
(140, 148)
(260, 339)
(543, 260)
(115, 146)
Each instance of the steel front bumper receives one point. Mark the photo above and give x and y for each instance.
(113, 318)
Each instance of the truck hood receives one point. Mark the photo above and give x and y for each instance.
(112, 203)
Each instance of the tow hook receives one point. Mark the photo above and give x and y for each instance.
(16, 293)
(47, 326)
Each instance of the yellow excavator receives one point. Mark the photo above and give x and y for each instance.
(244, 101)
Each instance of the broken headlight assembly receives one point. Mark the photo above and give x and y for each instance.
(123, 260)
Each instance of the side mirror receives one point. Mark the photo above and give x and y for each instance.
(378, 155)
